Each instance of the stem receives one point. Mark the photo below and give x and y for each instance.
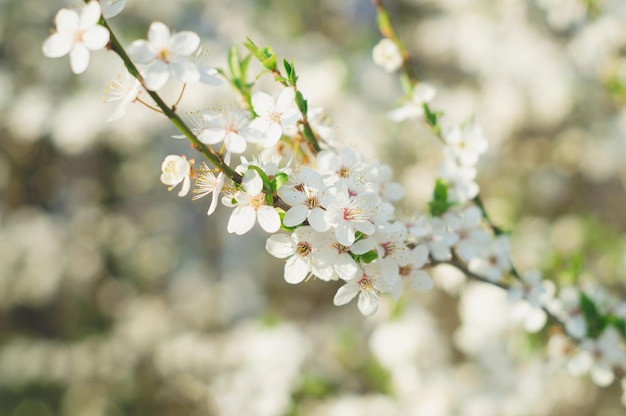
(116, 47)
(455, 261)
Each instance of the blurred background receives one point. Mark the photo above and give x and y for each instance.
(119, 298)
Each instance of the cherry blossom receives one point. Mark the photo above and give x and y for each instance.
(306, 193)
(367, 285)
(423, 93)
(126, 90)
(176, 169)
(207, 183)
(387, 55)
(302, 248)
(166, 54)
(250, 207)
(77, 34)
(274, 115)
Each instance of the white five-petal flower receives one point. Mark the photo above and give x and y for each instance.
(77, 34)
(166, 54)
(251, 207)
(387, 55)
(274, 115)
(302, 248)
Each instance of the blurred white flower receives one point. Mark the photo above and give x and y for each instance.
(125, 89)
(166, 54)
(465, 143)
(494, 261)
(423, 93)
(387, 55)
(176, 169)
(77, 34)
(599, 356)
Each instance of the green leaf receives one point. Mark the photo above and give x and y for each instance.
(302, 104)
(440, 204)
(291, 72)
(432, 117)
(279, 180)
(369, 257)
(265, 55)
(593, 317)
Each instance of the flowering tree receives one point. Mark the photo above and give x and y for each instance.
(330, 211)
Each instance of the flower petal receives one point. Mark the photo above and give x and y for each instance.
(96, 38)
(296, 215)
(79, 58)
(346, 293)
(368, 302)
(184, 43)
(269, 219)
(156, 75)
(142, 52)
(241, 220)
(262, 103)
(280, 246)
(185, 71)
(90, 14)
(67, 21)
(159, 35)
(296, 270)
(57, 45)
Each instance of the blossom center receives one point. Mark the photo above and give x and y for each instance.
(304, 249)
(164, 55)
(257, 201)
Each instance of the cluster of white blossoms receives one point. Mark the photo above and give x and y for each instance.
(329, 209)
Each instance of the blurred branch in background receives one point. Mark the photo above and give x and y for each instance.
(116, 299)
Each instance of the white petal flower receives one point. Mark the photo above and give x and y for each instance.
(274, 115)
(367, 286)
(465, 143)
(166, 54)
(77, 34)
(252, 207)
(423, 93)
(302, 249)
(125, 89)
(207, 183)
(387, 55)
(176, 169)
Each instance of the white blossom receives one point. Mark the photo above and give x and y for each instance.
(166, 54)
(176, 169)
(387, 55)
(77, 34)
(367, 285)
(422, 94)
(302, 250)
(250, 207)
(274, 115)
(305, 192)
(125, 89)
(207, 183)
